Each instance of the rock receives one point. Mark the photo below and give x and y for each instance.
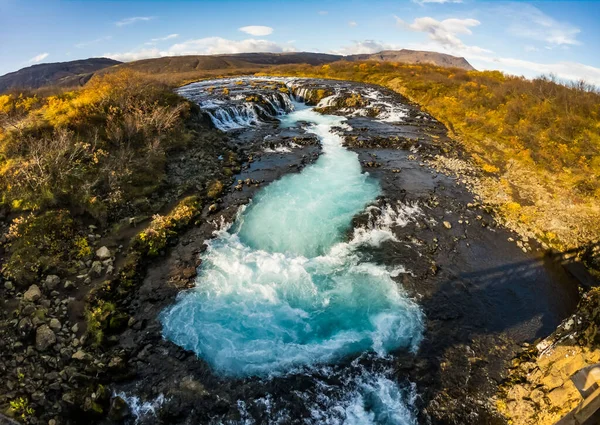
(96, 268)
(69, 284)
(44, 338)
(55, 324)
(213, 208)
(552, 381)
(103, 253)
(32, 294)
(52, 282)
(517, 392)
(447, 225)
(25, 326)
(119, 409)
(75, 328)
(8, 285)
(81, 355)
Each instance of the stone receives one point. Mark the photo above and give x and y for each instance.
(25, 326)
(103, 253)
(517, 392)
(563, 396)
(55, 324)
(69, 284)
(80, 355)
(447, 225)
(32, 294)
(119, 409)
(52, 281)
(44, 338)
(8, 285)
(537, 396)
(552, 381)
(213, 208)
(96, 268)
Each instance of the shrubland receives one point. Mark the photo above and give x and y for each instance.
(535, 143)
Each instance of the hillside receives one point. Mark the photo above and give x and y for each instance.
(73, 73)
(177, 69)
(415, 57)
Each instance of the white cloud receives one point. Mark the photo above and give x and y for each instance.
(89, 43)
(364, 47)
(38, 58)
(566, 70)
(445, 33)
(530, 22)
(204, 46)
(323, 12)
(257, 30)
(352, 23)
(168, 37)
(133, 20)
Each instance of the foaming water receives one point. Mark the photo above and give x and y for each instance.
(281, 291)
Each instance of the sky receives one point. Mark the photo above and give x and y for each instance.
(527, 38)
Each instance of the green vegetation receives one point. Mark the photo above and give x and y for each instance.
(97, 152)
(89, 149)
(20, 408)
(44, 243)
(536, 142)
(152, 240)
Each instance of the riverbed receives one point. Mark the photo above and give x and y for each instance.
(363, 287)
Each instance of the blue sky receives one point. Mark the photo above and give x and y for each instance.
(528, 38)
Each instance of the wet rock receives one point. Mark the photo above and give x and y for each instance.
(32, 294)
(103, 253)
(119, 409)
(52, 281)
(44, 338)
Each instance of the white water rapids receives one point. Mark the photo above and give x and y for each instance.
(283, 290)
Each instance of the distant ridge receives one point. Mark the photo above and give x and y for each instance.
(73, 73)
(77, 73)
(416, 57)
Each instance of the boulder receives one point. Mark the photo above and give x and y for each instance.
(52, 282)
(103, 253)
(32, 294)
(44, 338)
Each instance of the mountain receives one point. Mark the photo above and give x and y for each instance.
(73, 73)
(415, 57)
(180, 64)
(77, 73)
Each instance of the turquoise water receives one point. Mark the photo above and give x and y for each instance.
(283, 289)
